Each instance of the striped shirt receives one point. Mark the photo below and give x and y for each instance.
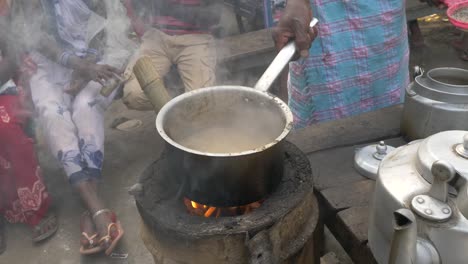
(357, 64)
(167, 24)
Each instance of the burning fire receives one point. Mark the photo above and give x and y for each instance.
(195, 208)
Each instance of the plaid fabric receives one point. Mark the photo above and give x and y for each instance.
(359, 62)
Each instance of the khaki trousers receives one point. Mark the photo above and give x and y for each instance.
(193, 55)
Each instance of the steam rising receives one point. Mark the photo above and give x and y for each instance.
(30, 25)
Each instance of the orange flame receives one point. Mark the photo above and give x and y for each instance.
(195, 208)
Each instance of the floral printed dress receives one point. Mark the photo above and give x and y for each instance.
(23, 194)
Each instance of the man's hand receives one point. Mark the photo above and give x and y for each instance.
(96, 72)
(101, 73)
(76, 84)
(294, 24)
(85, 70)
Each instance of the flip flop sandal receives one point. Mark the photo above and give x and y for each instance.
(115, 239)
(2, 235)
(90, 247)
(111, 238)
(45, 229)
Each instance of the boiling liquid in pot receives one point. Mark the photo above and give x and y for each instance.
(224, 140)
(244, 129)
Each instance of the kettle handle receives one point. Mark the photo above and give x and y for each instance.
(418, 71)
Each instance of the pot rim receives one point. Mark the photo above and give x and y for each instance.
(168, 106)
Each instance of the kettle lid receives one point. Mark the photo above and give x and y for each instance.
(450, 146)
(449, 85)
(367, 160)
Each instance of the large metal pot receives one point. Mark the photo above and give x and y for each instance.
(435, 102)
(223, 177)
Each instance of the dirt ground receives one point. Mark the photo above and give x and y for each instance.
(127, 154)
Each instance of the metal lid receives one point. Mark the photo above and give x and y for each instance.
(448, 85)
(367, 160)
(450, 146)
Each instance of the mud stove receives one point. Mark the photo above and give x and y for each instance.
(283, 227)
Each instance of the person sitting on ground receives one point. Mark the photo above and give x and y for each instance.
(23, 194)
(81, 45)
(173, 32)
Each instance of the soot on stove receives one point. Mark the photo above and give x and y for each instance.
(281, 228)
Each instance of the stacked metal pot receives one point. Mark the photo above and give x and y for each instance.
(435, 102)
(423, 186)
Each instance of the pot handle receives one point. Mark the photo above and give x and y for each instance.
(276, 67)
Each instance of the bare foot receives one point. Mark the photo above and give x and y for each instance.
(109, 230)
(104, 220)
(89, 237)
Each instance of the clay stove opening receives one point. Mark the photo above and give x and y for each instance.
(207, 211)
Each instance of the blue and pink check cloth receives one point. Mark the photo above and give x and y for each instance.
(357, 64)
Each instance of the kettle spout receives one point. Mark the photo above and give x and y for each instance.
(407, 247)
(403, 247)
